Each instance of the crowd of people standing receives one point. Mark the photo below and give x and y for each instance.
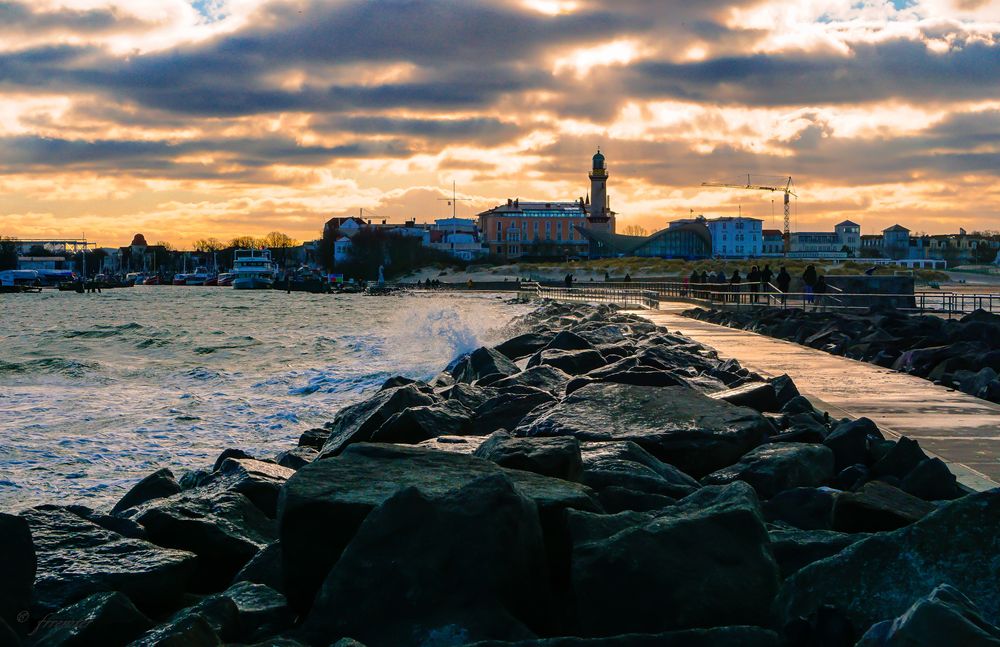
(756, 283)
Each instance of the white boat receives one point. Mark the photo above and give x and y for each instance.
(253, 269)
(199, 276)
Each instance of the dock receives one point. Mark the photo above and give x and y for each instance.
(962, 430)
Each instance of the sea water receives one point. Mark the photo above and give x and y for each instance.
(99, 390)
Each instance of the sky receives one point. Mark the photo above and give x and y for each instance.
(184, 119)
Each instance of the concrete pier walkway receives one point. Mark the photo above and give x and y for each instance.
(961, 430)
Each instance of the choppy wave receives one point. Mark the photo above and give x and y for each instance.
(88, 410)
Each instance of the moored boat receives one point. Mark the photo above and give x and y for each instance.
(253, 269)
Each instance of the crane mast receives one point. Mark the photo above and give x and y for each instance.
(787, 190)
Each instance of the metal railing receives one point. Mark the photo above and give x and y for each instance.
(741, 296)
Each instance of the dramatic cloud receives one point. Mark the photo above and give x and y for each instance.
(221, 117)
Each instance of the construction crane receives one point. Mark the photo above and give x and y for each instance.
(750, 186)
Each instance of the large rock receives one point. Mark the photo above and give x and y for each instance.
(572, 362)
(628, 466)
(795, 549)
(508, 409)
(943, 617)
(555, 457)
(546, 378)
(100, 619)
(358, 422)
(931, 480)
(261, 611)
(472, 397)
(850, 441)
(880, 577)
(714, 637)
(77, 558)
(417, 424)
(759, 396)
(323, 505)
(524, 345)
(481, 363)
(805, 508)
(189, 628)
(770, 469)
(876, 507)
(224, 529)
(686, 429)
(159, 484)
(18, 564)
(567, 340)
(264, 568)
(259, 481)
(704, 562)
(903, 457)
(469, 564)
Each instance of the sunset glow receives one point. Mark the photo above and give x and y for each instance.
(186, 119)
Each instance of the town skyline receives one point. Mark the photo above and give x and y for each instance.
(190, 120)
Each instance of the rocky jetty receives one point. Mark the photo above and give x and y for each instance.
(961, 353)
(594, 480)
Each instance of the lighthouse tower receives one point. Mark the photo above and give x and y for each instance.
(600, 217)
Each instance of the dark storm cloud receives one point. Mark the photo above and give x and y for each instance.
(23, 153)
(22, 18)
(900, 68)
(487, 130)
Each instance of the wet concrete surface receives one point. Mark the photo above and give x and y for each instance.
(962, 430)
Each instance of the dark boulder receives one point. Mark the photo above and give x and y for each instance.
(772, 468)
(555, 457)
(850, 441)
(296, 457)
(77, 558)
(546, 378)
(628, 466)
(323, 505)
(314, 438)
(480, 363)
(692, 565)
(714, 637)
(805, 508)
(264, 568)
(472, 397)
(187, 629)
(358, 422)
(454, 444)
(784, 389)
(261, 611)
(17, 564)
(944, 617)
(876, 507)
(571, 362)
(688, 430)
(880, 577)
(106, 619)
(759, 396)
(615, 499)
(472, 567)
(566, 340)
(900, 460)
(798, 404)
(508, 409)
(851, 477)
(157, 485)
(417, 424)
(396, 380)
(259, 481)
(226, 454)
(795, 549)
(524, 345)
(931, 480)
(224, 529)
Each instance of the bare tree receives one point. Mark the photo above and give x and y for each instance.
(635, 230)
(278, 240)
(245, 242)
(209, 245)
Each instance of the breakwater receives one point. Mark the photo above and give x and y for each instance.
(962, 353)
(593, 477)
